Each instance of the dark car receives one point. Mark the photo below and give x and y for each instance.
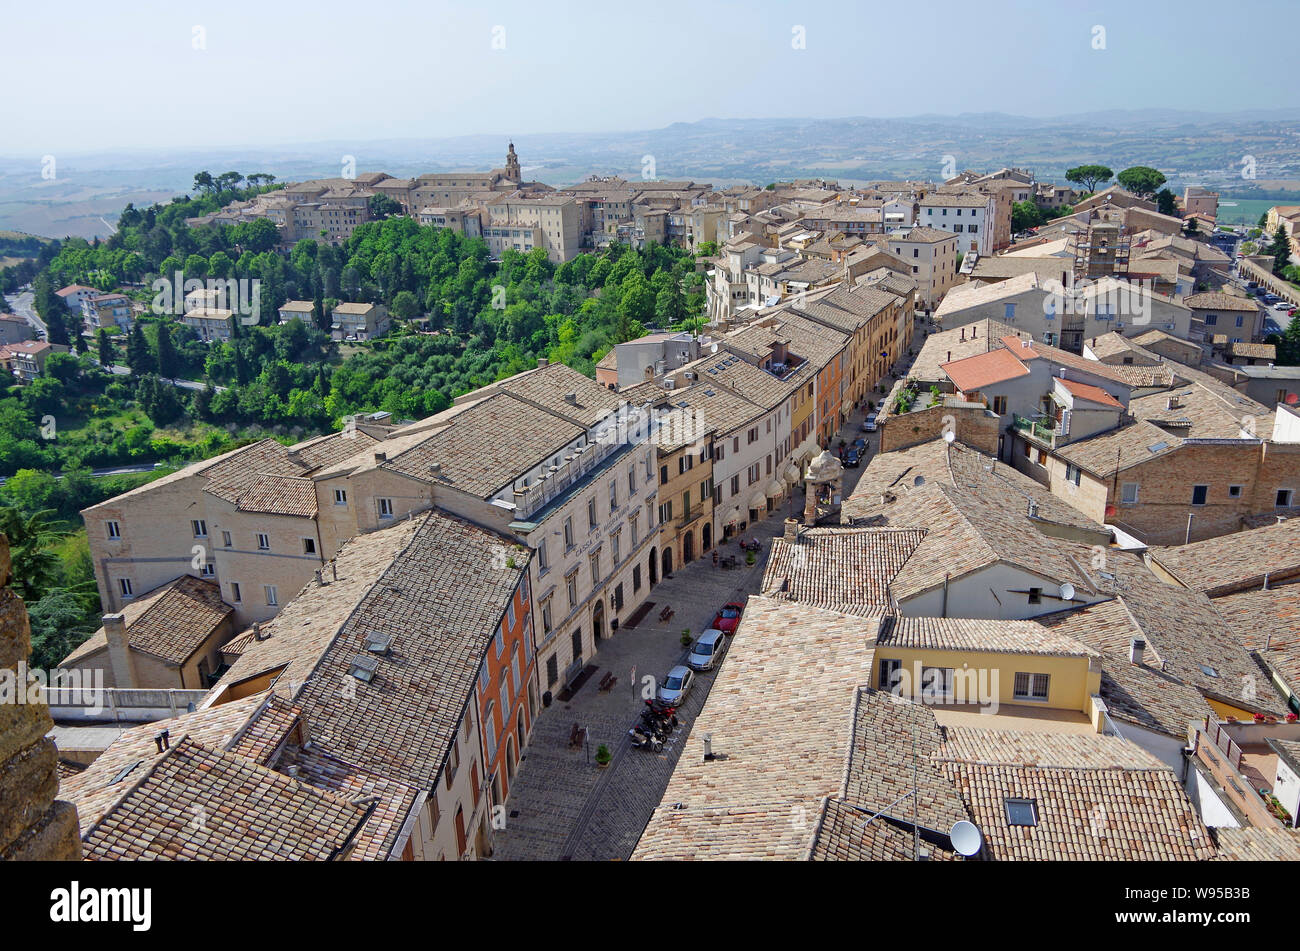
(728, 618)
(853, 458)
(860, 443)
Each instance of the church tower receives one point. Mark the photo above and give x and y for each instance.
(513, 172)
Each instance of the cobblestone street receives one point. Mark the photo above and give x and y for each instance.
(562, 805)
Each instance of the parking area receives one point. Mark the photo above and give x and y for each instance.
(562, 805)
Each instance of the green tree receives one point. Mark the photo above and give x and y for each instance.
(168, 362)
(1088, 176)
(203, 182)
(1025, 215)
(139, 358)
(1279, 249)
(405, 303)
(381, 207)
(1141, 180)
(31, 536)
(106, 352)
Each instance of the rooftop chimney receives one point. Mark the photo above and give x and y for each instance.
(163, 740)
(571, 398)
(119, 651)
(792, 530)
(257, 630)
(435, 468)
(1136, 646)
(380, 456)
(543, 362)
(1033, 509)
(320, 582)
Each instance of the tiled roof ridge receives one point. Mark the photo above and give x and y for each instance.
(135, 786)
(361, 600)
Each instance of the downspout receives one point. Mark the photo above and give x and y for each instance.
(944, 611)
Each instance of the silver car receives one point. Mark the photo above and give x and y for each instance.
(707, 650)
(674, 687)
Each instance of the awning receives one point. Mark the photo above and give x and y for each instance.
(733, 517)
(804, 452)
(846, 407)
(774, 489)
(791, 473)
(758, 500)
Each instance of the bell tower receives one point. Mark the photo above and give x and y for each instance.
(513, 172)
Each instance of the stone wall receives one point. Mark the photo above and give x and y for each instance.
(33, 825)
(975, 426)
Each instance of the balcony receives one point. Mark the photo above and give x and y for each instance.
(1042, 432)
(575, 472)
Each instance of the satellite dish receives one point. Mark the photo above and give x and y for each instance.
(949, 435)
(966, 838)
(1067, 591)
(919, 481)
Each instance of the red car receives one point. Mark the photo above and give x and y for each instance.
(728, 618)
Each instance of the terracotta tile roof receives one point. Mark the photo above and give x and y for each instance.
(442, 599)
(1122, 448)
(1042, 749)
(485, 446)
(1236, 561)
(1216, 301)
(847, 570)
(974, 373)
(948, 346)
(1089, 392)
(547, 387)
(1252, 844)
(983, 635)
(975, 515)
(1268, 624)
(806, 663)
(1057, 357)
(1140, 694)
(201, 803)
(844, 836)
(1203, 410)
(170, 622)
(101, 784)
(1108, 814)
(265, 733)
(296, 637)
(272, 494)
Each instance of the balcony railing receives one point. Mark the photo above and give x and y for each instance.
(1040, 431)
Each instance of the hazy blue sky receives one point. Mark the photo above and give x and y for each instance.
(83, 75)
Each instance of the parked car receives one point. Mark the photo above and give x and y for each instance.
(674, 687)
(707, 650)
(869, 424)
(853, 458)
(1282, 305)
(728, 618)
(860, 444)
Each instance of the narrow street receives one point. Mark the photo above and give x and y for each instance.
(562, 806)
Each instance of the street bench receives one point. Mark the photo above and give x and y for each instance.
(666, 614)
(607, 683)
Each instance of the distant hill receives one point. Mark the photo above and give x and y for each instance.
(1188, 146)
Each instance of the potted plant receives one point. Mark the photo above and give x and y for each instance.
(750, 558)
(1291, 718)
(603, 756)
(686, 636)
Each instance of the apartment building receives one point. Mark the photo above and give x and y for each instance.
(414, 765)
(26, 358)
(362, 321)
(932, 253)
(14, 329)
(76, 295)
(296, 309)
(210, 323)
(968, 215)
(552, 222)
(105, 310)
(684, 455)
(646, 358)
(1239, 319)
(1065, 316)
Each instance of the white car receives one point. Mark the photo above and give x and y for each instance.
(1283, 305)
(707, 650)
(869, 424)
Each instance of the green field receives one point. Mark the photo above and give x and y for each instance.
(1245, 211)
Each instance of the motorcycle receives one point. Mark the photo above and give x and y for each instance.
(643, 737)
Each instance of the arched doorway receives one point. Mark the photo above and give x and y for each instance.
(707, 534)
(688, 548)
(520, 729)
(598, 620)
(654, 567)
(512, 757)
(668, 562)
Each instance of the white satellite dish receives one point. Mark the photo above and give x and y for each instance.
(949, 435)
(966, 838)
(1067, 591)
